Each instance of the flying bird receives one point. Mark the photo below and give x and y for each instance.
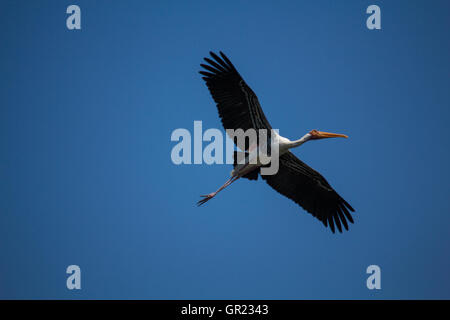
(239, 108)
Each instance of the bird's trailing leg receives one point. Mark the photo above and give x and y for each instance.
(208, 197)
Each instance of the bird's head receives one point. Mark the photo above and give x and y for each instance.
(316, 134)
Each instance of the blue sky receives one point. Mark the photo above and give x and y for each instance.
(86, 176)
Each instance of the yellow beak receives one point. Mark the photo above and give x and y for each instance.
(321, 135)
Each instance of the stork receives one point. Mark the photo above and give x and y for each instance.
(239, 108)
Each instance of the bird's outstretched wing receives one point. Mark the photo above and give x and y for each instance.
(238, 105)
(308, 188)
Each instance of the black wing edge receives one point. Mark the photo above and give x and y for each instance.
(338, 216)
(217, 67)
(325, 203)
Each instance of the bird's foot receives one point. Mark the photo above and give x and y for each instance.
(206, 198)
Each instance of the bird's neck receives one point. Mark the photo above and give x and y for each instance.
(299, 142)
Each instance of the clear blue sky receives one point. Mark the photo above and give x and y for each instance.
(85, 170)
